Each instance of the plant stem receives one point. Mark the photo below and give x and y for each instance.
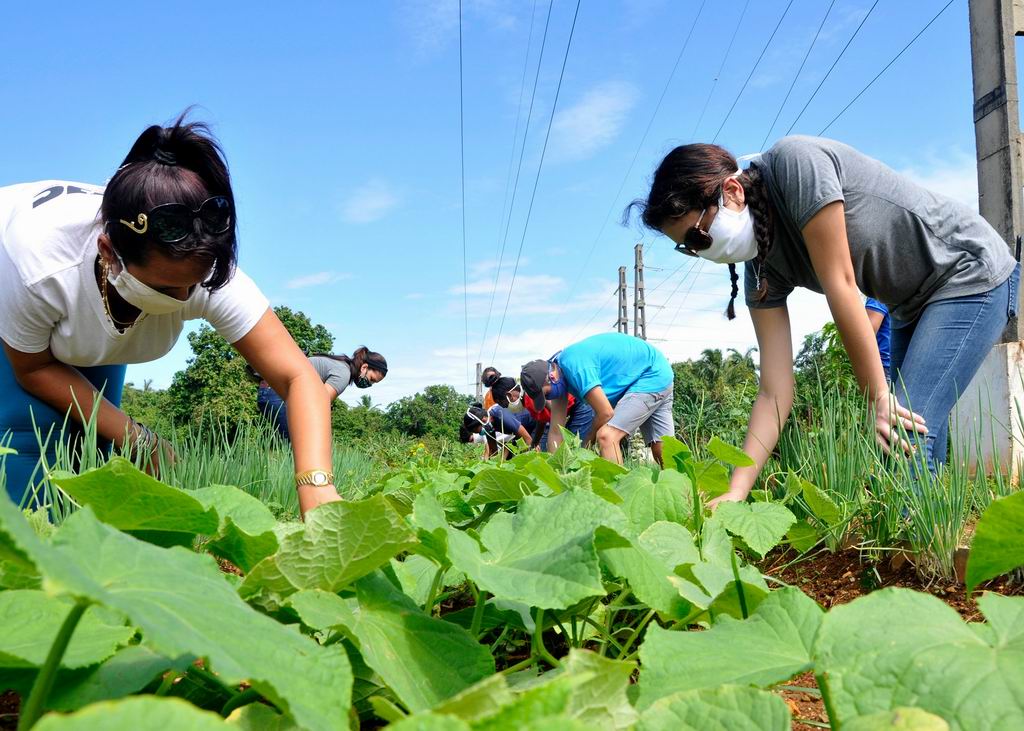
(504, 631)
(435, 587)
(247, 696)
(604, 633)
(521, 665)
(826, 697)
(636, 633)
(739, 585)
(538, 642)
(478, 611)
(48, 673)
(167, 683)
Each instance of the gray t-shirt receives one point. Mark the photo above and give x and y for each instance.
(909, 246)
(335, 373)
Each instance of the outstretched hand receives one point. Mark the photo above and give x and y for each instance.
(732, 496)
(893, 423)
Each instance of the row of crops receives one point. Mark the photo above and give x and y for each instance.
(554, 591)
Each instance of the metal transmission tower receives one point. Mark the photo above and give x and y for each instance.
(639, 306)
(992, 395)
(622, 324)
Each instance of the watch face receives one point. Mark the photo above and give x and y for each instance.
(319, 478)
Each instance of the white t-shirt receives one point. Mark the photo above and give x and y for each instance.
(49, 297)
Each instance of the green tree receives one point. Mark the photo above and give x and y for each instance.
(437, 412)
(218, 384)
(148, 405)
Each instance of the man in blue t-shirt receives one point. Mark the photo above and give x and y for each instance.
(879, 316)
(627, 382)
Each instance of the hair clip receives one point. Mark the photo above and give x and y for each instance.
(143, 223)
(164, 157)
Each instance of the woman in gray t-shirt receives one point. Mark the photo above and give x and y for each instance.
(364, 367)
(815, 213)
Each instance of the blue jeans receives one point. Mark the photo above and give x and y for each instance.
(18, 409)
(935, 357)
(581, 419)
(274, 410)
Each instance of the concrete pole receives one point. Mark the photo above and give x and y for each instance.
(479, 386)
(987, 415)
(622, 323)
(639, 307)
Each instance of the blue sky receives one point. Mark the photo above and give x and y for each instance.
(341, 125)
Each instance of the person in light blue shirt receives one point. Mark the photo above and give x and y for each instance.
(628, 383)
(878, 314)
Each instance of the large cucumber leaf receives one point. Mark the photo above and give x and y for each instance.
(183, 605)
(998, 544)
(342, 542)
(245, 529)
(424, 660)
(897, 647)
(736, 708)
(773, 645)
(544, 555)
(762, 526)
(144, 713)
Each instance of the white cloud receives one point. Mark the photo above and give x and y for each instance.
(316, 279)
(369, 203)
(594, 121)
(434, 24)
(955, 176)
(414, 296)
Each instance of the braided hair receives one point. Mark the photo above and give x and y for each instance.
(691, 178)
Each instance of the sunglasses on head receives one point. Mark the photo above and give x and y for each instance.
(173, 222)
(695, 239)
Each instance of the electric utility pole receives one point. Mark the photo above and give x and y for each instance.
(989, 402)
(639, 306)
(479, 386)
(622, 323)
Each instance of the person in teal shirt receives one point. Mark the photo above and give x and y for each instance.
(628, 383)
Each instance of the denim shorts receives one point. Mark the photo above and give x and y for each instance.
(649, 412)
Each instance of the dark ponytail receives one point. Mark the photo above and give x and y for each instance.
(690, 178)
(182, 163)
(361, 355)
(490, 376)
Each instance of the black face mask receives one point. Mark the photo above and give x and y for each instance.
(363, 382)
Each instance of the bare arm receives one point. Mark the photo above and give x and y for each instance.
(269, 348)
(65, 389)
(331, 393)
(524, 434)
(603, 412)
(829, 249)
(774, 398)
(559, 410)
(876, 318)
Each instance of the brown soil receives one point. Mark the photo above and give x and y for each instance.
(9, 705)
(804, 706)
(838, 578)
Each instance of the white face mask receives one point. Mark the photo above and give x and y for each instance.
(732, 234)
(516, 407)
(141, 295)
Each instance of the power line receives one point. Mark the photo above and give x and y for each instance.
(721, 67)
(830, 68)
(798, 72)
(751, 74)
(886, 67)
(536, 180)
(462, 163)
(636, 153)
(515, 184)
(685, 296)
(678, 285)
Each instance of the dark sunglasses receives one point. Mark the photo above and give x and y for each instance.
(695, 239)
(173, 222)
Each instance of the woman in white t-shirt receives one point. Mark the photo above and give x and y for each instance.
(95, 278)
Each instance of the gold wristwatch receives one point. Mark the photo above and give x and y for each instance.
(316, 478)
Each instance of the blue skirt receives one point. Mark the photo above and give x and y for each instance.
(18, 408)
